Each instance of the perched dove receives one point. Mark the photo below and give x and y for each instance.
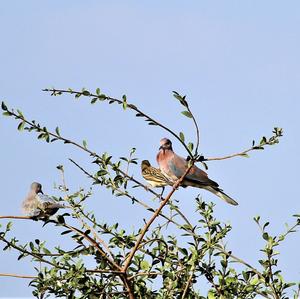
(38, 205)
(154, 176)
(174, 166)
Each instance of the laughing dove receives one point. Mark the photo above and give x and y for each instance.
(38, 205)
(174, 166)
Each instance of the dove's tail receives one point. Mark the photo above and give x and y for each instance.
(222, 195)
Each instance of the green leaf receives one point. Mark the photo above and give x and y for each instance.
(145, 265)
(139, 115)
(9, 226)
(21, 126)
(245, 155)
(211, 295)
(190, 146)
(265, 225)
(205, 165)
(265, 236)
(124, 102)
(256, 219)
(98, 92)
(245, 275)
(57, 131)
(3, 106)
(263, 140)
(94, 100)
(187, 114)
(254, 281)
(84, 143)
(31, 246)
(20, 256)
(46, 251)
(180, 98)
(224, 263)
(102, 172)
(20, 113)
(183, 251)
(60, 219)
(86, 93)
(181, 135)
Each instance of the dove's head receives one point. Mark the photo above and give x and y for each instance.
(36, 187)
(145, 164)
(165, 144)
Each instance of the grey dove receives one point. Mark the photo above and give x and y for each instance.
(38, 205)
(174, 166)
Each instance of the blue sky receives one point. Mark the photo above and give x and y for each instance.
(238, 62)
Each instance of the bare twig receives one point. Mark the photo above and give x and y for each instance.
(242, 153)
(18, 275)
(16, 217)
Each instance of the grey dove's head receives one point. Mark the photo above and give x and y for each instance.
(36, 187)
(165, 144)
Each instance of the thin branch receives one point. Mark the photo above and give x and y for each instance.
(276, 295)
(16, 217)
(130, 106)
(103, 271)
(197, 130)
(242, 153)
(144, 274)
(185, 292)
(18, 275)
(154, 216)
